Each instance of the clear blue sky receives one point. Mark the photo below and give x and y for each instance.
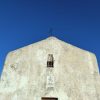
(23, 22)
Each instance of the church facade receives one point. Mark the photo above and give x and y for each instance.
(50, 70)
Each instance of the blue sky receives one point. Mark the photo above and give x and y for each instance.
(23, 22)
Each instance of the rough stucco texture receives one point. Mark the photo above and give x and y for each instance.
(75, 75)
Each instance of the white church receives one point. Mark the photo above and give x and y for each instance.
(50, 70)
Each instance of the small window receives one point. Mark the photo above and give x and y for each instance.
(50, 64)
(50, 61)
(49, 98)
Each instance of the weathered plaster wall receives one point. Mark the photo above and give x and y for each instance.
(75, 75)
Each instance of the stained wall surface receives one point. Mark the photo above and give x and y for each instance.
(75, 75)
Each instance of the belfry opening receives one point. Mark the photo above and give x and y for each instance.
(50, 60)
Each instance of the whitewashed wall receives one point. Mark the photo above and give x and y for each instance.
(75, 75)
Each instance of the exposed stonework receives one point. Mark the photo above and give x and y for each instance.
(75, 75)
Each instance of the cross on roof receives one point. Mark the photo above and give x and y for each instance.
(51, 32)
